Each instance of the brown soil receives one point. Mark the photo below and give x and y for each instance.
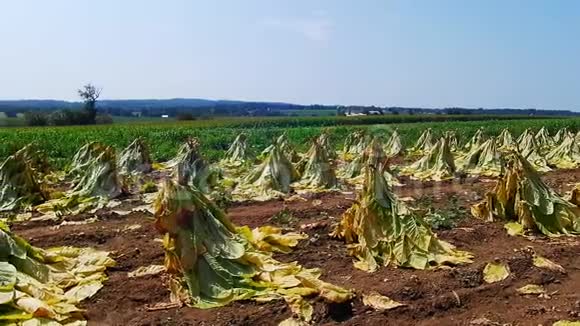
(455, 296)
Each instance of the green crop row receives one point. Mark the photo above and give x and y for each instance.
(320, 121)
(60, 143)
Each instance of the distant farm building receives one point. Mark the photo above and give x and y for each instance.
(355, 113)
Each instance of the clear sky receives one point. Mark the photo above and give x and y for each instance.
(431, 53)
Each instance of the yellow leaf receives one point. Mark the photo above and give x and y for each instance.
(566, 323)
(495, 272)
(146, 270)
(35, 307)
(63, 308)
(531, 289)
(380, 302)
(542, 262)
(270, 238)
(328, 291)
(287, 281)
(41, 322)
(132, 227)
(23, 217)
(514, 228)
(83, 291)
(292, 322)
(300, 307)
(301, 291)
(158, 166)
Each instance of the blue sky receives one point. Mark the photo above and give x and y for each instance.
(436, 53)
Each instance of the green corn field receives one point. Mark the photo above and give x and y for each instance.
(60, 143)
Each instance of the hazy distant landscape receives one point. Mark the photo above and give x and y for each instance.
(12, 112)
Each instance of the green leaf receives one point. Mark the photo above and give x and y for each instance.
(9, 247)
(7, 276)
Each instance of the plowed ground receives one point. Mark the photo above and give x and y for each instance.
(455, 296)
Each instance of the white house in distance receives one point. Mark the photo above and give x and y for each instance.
(355, 113)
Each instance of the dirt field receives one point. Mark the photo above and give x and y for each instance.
(438, 297)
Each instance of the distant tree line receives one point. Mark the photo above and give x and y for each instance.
(91, 110)
(87, 115)
(219, 108)
(65, 117)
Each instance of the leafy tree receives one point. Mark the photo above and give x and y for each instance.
(90, 94)
(60, 118)
(35, 118)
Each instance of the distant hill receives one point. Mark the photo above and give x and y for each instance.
(128, 104)
(37, 105)
(205, 107)
(176, 102)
